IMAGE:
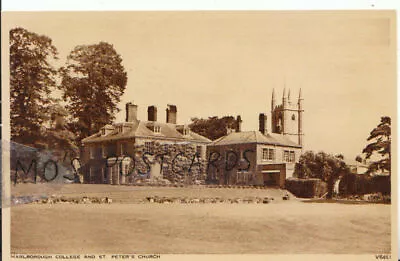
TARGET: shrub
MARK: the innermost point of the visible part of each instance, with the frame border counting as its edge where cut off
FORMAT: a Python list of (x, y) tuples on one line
[(306, 188)]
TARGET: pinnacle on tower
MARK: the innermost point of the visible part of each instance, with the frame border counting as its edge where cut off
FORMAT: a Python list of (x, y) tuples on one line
[(273, 100), (300, 119), (284, 99), (300, 96), (288, 96)]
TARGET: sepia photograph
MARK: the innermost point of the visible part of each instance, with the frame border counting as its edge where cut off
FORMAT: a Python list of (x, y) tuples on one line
[(140, 134)]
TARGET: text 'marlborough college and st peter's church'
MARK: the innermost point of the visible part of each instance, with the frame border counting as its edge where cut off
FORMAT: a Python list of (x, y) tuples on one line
[(259, 157)]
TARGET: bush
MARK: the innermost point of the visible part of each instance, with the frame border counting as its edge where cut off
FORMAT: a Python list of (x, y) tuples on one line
[(306, 188)]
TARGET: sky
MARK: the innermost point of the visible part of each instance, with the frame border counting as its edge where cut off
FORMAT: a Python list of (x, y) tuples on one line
[(227, 63)]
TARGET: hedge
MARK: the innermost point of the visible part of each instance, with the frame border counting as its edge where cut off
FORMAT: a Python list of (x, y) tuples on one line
[(306, 188), (353, 184)]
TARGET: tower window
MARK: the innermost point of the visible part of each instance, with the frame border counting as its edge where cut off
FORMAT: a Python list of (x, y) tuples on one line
[(293, 117)]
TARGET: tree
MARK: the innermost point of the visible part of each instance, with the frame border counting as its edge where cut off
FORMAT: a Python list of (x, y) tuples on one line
[(213, 127), (93, 81), (32, 78), (379, 147), (323, 166), (359, 159), (59, 138)]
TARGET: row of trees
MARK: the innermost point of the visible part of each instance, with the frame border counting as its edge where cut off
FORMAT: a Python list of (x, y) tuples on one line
[(330, 168), (91, 84)]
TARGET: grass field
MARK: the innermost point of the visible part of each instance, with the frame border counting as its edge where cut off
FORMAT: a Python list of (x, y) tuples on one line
[(281, 227), (134, 194)]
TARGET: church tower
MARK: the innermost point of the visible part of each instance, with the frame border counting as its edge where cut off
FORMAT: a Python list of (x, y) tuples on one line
[(287, 118), (300, 119)]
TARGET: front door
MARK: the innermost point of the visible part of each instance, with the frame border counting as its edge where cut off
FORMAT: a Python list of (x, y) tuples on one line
[(271, 179)]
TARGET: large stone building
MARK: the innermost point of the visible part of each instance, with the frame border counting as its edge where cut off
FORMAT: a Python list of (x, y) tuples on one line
[(260, 157), (107, 155)]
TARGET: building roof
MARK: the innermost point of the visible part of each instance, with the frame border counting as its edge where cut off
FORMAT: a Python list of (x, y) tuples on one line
[(255, 137), (143, 129)]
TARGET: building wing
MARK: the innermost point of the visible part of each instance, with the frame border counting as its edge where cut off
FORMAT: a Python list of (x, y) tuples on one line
[(246, 137), (145, 129)]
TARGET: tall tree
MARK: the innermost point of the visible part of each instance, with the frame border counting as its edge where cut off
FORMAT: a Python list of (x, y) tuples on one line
[(323, 166), (379, 148), (59, 138), (32, 78), (93, 81), (213, 127)]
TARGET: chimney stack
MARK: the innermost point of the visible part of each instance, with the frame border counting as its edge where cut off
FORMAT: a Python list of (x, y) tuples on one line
[(262, 119), (171, 113), (152, 113), (238, 123), (131, 112)]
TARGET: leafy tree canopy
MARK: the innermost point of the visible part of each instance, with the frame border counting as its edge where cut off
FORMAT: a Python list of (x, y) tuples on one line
[(93, 82), (213, 127), (321, 165), (380, 138), (32, 78), (59, 138)]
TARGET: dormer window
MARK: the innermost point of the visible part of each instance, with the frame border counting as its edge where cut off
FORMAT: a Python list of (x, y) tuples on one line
[(120, 129), (186, 131), (157, 129), (106, 130)]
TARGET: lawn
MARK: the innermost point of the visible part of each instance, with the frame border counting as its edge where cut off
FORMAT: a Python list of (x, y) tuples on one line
[(281, 227)]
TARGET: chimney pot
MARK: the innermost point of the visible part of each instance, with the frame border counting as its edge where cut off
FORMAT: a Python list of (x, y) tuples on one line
[(238, 123), (262, 119), (171, 113), (152, 113), (131, 112)]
